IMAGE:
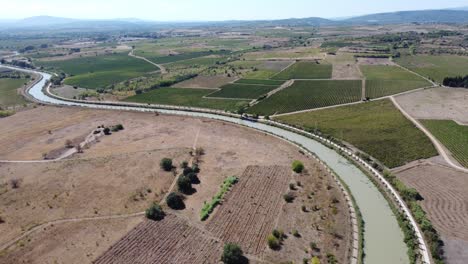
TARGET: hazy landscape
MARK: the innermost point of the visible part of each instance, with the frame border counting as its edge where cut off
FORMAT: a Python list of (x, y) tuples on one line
[(300, 140)]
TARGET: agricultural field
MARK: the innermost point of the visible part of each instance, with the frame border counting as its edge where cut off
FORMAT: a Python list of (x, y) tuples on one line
[(377, 128), (305, 70), (243, 91), (186, 97), (259, 81), (254, 69), (294, 53), (202, 81), (436, 67), (445, 196), (452, 135), (303, 95), (9, 95), (384, 80), (100, 71)]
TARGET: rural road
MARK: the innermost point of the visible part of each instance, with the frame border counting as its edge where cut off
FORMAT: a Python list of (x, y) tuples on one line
[(161, 68)]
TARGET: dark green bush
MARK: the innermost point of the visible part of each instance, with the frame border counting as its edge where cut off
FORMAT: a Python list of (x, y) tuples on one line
[(232, 254), (175, 201), (155, 212), (297, 166), (166, 164), (184, 184)]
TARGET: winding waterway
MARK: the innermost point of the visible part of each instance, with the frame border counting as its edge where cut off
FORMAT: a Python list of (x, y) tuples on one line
[(383, 238)]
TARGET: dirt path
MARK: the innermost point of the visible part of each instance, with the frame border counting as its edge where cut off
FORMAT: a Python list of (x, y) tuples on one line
[(440, 148), (161, 68), (62, 221)]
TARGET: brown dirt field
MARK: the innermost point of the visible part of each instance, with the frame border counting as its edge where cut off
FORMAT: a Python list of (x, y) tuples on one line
[(374, 61), (75, 242), (171, 240), (205, 82), (446, 202), (108, 175), (437, 103), (81, 188), (346, 71)]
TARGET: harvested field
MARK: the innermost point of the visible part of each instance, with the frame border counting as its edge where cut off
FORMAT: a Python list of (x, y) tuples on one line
[(258, 197), (9, 95), (437, 103), (71, 243), (445, 201), (306, 70), (171, 240), (345, 71), (205, 82)]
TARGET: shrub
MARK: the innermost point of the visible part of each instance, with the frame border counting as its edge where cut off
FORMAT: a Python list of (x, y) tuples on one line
[(184, 164), (195, 168), (155, 212), (117, 128), (297, 166), (296, 233), (289, 198), (331, 258), (315, 260), (278, 233), (68, 143), (273, 242), (184, 184), (187, 170), (193, 178), (106, 131), (15, 183), (175, 201), (292, 187), (232, 254), (166, 164)]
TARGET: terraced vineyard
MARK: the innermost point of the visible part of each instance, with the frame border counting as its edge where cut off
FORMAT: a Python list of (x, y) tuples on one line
[(248, 213), (304, 95), (305, 70), (382, 80), (453, 136), (186, 97), (243, 91), (171, 240)]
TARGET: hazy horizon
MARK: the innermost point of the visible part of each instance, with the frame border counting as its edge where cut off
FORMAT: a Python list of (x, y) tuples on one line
[(212, 10)]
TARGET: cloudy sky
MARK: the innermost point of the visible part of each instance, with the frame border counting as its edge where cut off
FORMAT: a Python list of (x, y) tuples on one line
[(189, 10)]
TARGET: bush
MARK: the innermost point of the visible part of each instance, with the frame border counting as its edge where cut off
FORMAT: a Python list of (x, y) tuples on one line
[(175, 201), (117, 128), (106, 131), (184, 184), (184, 164), (166, 164), (278, 233), (289, 198), (193, 178), (296, 233), (195, 168), (273, 242), (297, 166), (187, 170), (315, 260), (232, 254), (155, 212)]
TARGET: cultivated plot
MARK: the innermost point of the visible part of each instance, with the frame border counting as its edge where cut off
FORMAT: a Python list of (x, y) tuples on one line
[(382, 80), (306, 70), (377, 128), (243, 91), (304, 95), (452, 135), (186, 97), (9, 95)]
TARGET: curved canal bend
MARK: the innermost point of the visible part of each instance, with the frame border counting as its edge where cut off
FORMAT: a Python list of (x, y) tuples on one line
[(383, 238)]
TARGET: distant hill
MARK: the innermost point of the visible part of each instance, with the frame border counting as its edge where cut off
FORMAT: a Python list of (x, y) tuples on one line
[(424, 16), (44, 21)]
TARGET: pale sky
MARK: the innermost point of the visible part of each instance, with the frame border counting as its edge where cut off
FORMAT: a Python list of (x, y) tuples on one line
[(203, 10)]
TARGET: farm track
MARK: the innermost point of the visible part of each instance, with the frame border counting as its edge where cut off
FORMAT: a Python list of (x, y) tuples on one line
[(247, 214), (161, 68)]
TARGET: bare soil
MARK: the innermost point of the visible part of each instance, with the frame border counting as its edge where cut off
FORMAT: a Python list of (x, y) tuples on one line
[(445, 201), (437, 103), (374, 61), (346, 71)]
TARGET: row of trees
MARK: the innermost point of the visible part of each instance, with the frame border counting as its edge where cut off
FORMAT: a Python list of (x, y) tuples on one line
[(456, 81)]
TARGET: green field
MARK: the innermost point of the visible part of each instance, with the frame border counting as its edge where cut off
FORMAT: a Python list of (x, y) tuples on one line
[(100, 71), (8, 92), (182, 56), (186, 97), (258, 81), (376, 128), (382, 80), (452, 135), (306, 70), (436, 67), (243, 91), (304, 95)]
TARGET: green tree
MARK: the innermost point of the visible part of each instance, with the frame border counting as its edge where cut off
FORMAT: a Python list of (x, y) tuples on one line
[(175, 201), (166, 164), (155, 212), (232, 254), (184, 184)]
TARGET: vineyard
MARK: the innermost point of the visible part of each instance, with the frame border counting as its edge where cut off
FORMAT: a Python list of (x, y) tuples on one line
[(382, 80), (306, 70), (304, 95), (171, 240), (257, 81), (243, 91), (453, 136), (249, 211)]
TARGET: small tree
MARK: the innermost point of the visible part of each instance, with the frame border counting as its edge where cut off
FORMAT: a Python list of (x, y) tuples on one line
[(297, 166), (289, 198), (184, 184), (155, 212), (175, 201), (273, 242), (232, 254), (166, 164)]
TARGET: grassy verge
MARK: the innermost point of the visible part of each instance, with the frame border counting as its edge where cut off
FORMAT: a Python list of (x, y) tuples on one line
[(376, 128), (216, 200)]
